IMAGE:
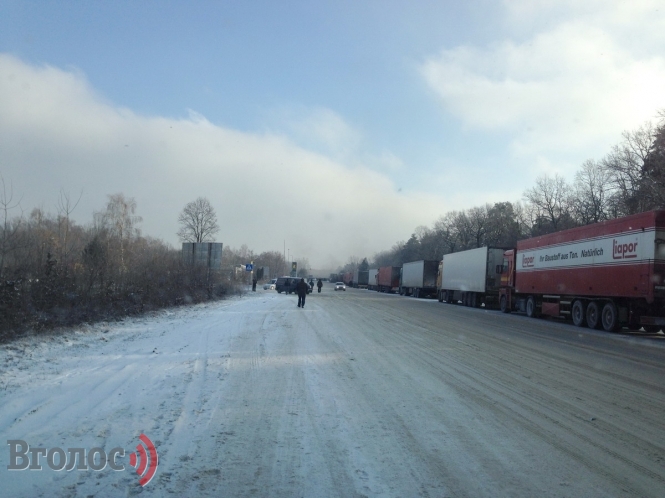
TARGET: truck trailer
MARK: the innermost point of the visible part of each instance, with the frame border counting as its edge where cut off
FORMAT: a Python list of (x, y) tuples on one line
[(419, 278), (372, 278), (473, 277), (609, 274), (360, 279), (388, 278)]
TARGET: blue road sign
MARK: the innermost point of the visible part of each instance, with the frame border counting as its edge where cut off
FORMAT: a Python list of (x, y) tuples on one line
[(249, 267)]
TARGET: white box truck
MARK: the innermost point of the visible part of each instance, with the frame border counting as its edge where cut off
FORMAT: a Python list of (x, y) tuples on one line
[(372, 280), (472, 277), (419, 278)]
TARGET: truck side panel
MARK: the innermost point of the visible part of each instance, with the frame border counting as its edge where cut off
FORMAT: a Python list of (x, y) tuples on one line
[(388, 277), (372, 281), (420, 274), (614, 265), (465, 271), (412, 274)]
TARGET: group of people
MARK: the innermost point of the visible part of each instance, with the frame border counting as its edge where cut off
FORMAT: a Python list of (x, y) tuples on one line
[(301, 289)]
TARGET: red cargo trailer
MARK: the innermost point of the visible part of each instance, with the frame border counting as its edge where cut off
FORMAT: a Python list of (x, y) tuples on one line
[(608, 274), (388, 278), (347, 278)]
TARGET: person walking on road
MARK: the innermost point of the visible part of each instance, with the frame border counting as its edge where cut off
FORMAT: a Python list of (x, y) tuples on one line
[(301, 288), (319, 284)]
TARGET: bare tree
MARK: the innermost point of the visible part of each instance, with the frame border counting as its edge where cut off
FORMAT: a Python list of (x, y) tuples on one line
[(525, 218), (446, 228), (463, 230), (625, 164), (551, 199), (120, 218), (592, 193), (272, 259), (653, 180), (65, 208), (10, 228), (119, 222), (198, 222), (478, 224)]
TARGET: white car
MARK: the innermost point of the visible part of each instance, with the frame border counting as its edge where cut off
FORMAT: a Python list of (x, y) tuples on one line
[(340, 286), (270, 285)]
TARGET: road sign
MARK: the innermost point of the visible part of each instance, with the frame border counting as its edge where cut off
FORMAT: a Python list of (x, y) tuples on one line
[(249, 267)]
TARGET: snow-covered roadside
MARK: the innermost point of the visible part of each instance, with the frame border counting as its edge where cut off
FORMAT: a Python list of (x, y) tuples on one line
[(103, 385)]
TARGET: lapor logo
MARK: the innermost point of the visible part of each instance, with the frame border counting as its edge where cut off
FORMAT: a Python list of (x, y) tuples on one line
[(624, 251), (527, 261), (147, 466)]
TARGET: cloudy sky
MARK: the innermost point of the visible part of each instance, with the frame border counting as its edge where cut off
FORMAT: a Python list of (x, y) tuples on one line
[(333, 128)]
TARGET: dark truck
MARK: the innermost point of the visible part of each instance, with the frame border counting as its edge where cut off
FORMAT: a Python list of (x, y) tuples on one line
[(361, 279)]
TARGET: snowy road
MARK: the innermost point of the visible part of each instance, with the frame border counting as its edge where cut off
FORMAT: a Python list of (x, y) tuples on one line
[(358, 394)]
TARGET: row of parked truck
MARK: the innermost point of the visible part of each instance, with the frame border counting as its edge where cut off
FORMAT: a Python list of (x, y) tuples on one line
[(606, 275)]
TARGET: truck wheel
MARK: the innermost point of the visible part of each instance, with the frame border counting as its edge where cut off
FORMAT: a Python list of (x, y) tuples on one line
[(610, 317), (473, 300), (578, 313), (503, 305), (593, 315), (531, 310), (416, 293), (440, 296), (652, 329)]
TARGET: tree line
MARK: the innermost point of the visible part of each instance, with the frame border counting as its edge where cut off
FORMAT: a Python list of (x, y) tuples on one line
[(630, 179), (54, 271)]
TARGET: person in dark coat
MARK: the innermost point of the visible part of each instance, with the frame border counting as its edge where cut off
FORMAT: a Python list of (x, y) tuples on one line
[(301, 288), (319, 284)]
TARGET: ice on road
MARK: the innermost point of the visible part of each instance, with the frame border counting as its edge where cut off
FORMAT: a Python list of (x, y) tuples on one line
[(350, 396)]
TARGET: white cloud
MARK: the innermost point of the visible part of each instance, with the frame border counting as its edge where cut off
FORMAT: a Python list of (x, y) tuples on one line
[(573, 85), (323, 130), (319, 128), (58, 133)]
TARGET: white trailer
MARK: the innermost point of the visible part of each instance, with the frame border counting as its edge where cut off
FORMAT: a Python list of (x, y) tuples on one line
[(372, 279), (473, 277), (419, 278)]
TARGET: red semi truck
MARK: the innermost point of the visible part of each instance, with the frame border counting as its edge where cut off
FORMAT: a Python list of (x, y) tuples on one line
[(388, 278), (609, 274)]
